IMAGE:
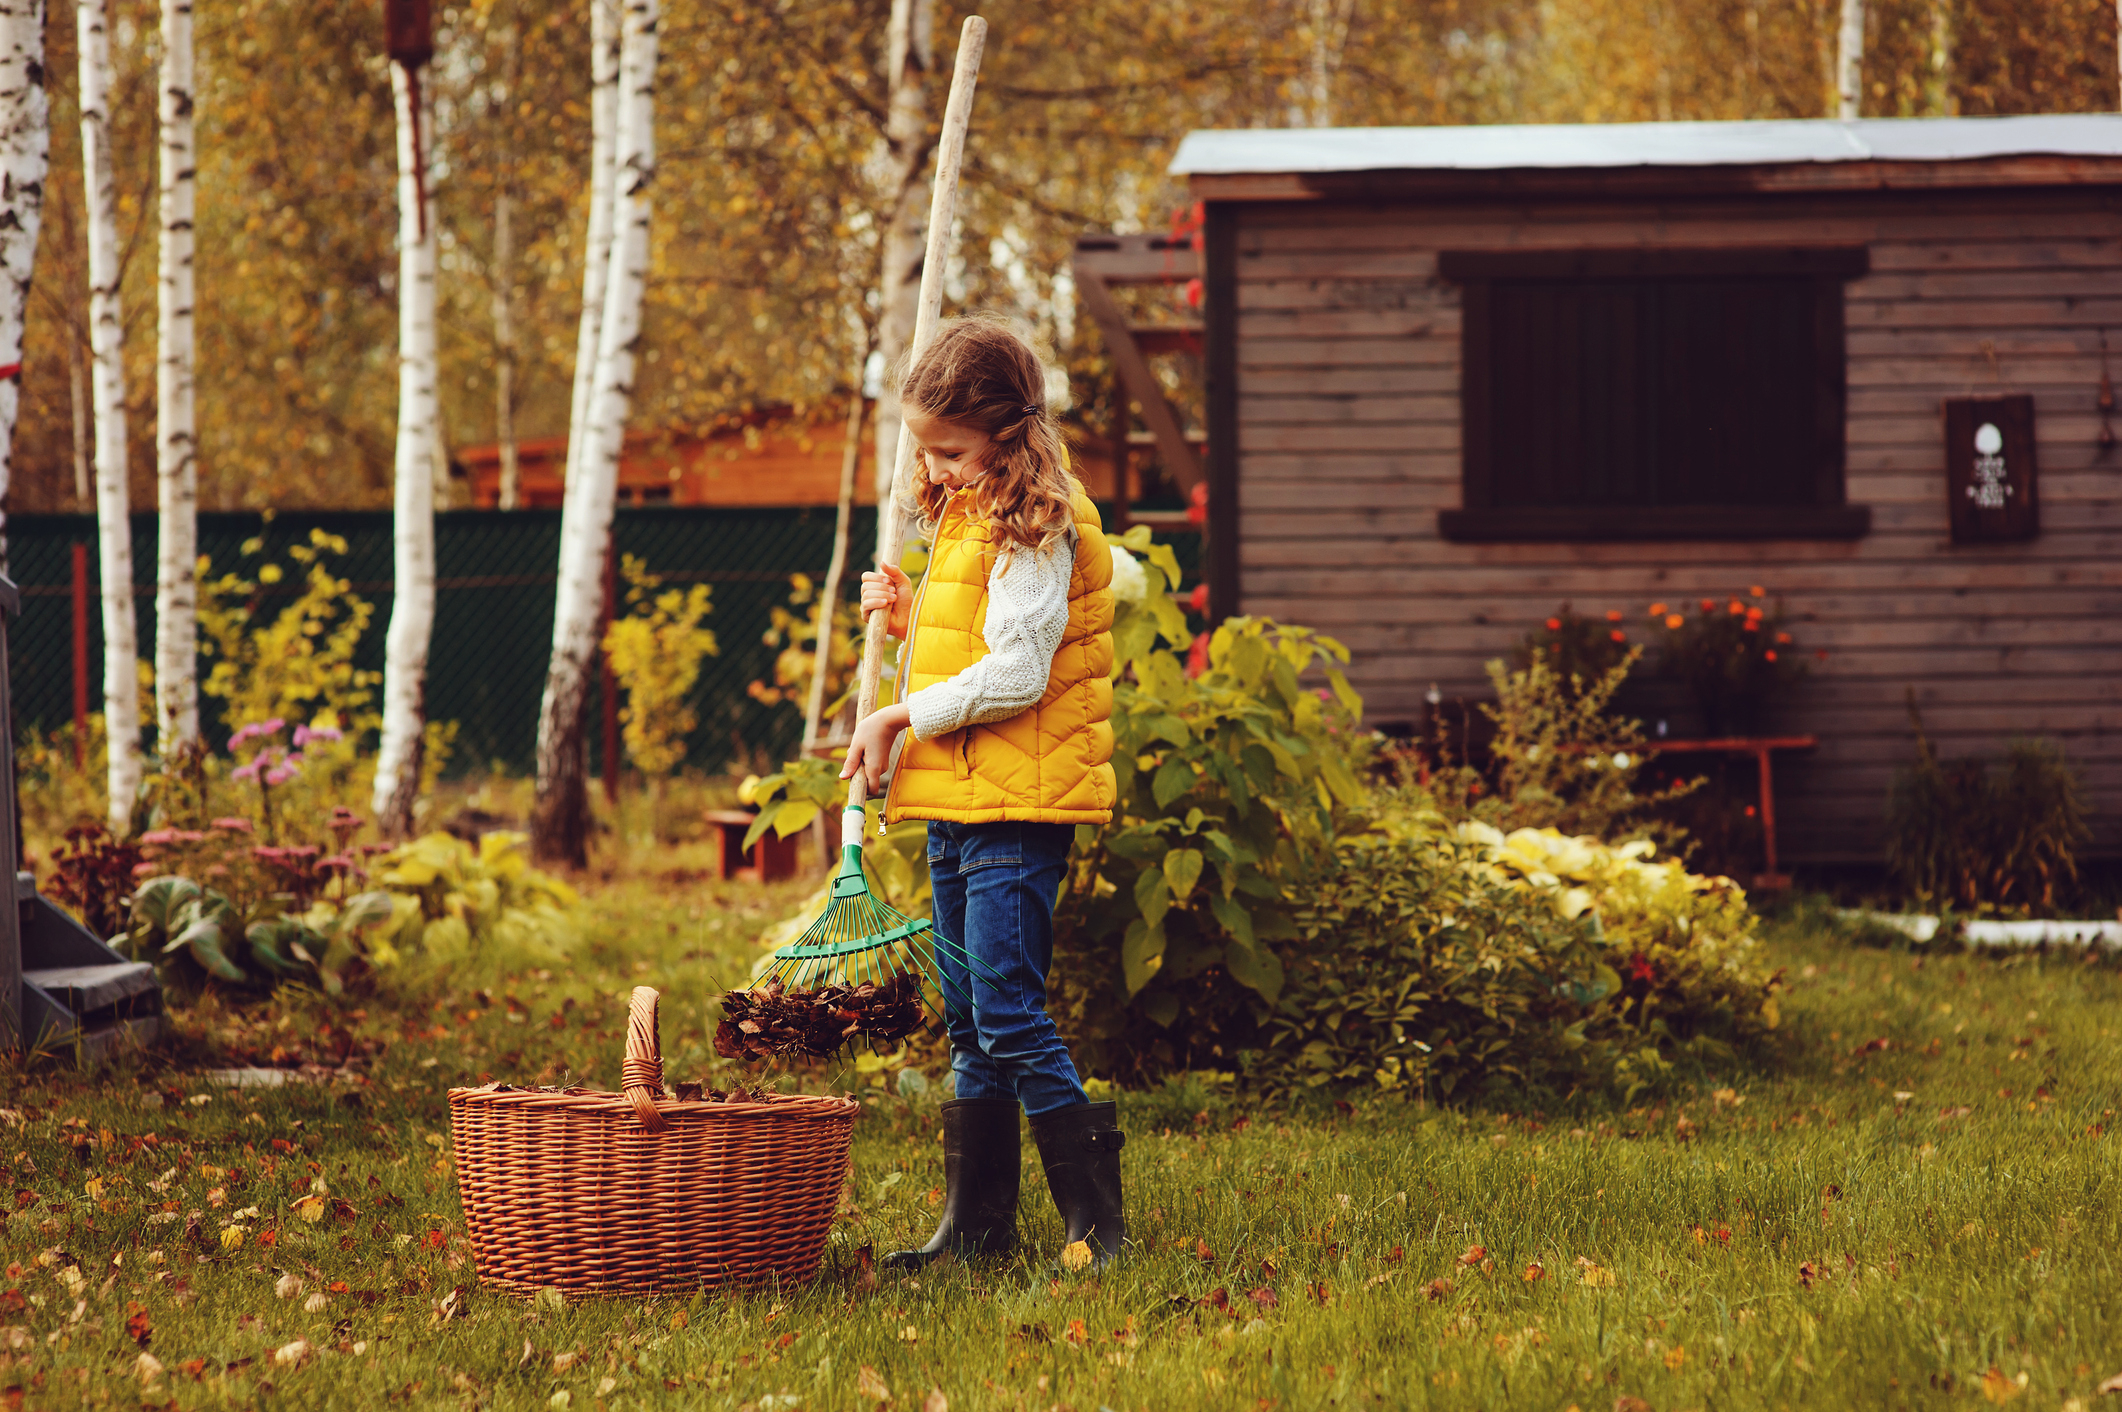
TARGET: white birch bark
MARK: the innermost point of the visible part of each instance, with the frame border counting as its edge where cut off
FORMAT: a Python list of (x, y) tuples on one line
[(25, 161), (560, 830), (176, 439), (1849, 62), (505, 354), (597, 250), (398, 757), (121, 660), (909, 54)]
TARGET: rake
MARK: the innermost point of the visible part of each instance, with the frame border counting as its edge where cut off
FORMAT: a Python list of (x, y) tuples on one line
[(864, 967)]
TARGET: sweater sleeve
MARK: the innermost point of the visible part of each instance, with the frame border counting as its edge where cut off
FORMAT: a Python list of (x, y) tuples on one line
[(1027, 614)]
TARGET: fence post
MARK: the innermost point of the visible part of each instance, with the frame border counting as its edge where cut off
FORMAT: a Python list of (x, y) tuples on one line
[(608, 685), (80, 656)]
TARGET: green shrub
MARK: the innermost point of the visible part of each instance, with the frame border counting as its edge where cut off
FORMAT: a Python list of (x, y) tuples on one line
[(1560, 759), (269, 914), (1962, 834), (1475, 961)]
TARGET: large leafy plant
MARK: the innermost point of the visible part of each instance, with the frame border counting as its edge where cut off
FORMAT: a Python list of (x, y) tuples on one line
[(1232, 784), (1442, 959)]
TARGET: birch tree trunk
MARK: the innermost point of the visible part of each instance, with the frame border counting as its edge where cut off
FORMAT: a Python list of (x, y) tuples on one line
[(909, 54), (25, 160), (597, 249), (121, 661), (836, 568), (412, 621), (176, 439), (560, 821), (1849, 62)]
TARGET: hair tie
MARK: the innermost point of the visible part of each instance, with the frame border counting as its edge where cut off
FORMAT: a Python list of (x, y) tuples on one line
[(1032, 409)]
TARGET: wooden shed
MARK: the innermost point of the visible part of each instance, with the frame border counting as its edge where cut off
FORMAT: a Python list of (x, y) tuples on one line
[(1458, 376)]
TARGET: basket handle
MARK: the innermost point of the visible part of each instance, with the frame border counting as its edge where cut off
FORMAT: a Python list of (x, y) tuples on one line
[(641, 1072)]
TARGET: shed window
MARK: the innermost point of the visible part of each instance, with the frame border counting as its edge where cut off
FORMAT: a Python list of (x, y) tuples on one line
[(1653, 394)]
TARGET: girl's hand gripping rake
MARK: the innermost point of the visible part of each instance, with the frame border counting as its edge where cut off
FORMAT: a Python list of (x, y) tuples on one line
[(864, 968)]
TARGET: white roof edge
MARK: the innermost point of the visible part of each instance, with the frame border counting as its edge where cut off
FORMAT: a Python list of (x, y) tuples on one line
[(1567, 145)]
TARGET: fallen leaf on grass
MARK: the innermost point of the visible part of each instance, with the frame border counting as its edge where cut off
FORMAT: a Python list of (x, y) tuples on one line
[(1474, 1255), (1076, 1255), (147, 1367), (551, 1300), (1217, 1298), (1535, 1272), (1996, 1387), (2113, 1384), (679, 1320), (1203, 1253), (564, 1361), (1437, 1288), (866, 1270), (288, 1286), (1632, 1404), (137, 1326), (310, 1209), (1675, 1358), (1076, 1334), (1264, 1298), (1595, 1275), (1807, 1274), (935, 1401), (1320, 1291), (288, 1355)]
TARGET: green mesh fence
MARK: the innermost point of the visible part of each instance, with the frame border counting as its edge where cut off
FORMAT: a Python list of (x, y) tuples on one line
[(495, 579)]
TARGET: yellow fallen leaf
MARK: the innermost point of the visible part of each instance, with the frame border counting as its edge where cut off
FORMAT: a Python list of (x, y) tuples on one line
[(870, 1385), (232, 1237), (1998, 1388), (289, 1354), (1675, 1358), (1597, 1276), (1076, 1256), (310, 1209)]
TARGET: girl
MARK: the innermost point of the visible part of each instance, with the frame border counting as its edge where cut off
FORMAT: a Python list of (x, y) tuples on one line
[(1005, 671)]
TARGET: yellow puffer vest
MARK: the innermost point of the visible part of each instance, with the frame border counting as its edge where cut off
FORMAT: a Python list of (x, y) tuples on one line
[(1048, 763)]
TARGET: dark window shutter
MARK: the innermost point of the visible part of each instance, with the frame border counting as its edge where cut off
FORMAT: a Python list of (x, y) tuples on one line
[(1641, 381)]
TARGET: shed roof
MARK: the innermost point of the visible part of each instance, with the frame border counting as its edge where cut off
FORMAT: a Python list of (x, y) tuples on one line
[(1608, 145)]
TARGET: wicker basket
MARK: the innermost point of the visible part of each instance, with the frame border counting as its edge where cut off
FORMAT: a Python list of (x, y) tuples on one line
[(604, 1193)]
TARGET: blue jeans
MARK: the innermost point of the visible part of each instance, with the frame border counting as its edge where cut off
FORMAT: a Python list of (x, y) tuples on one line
[(995, 886)]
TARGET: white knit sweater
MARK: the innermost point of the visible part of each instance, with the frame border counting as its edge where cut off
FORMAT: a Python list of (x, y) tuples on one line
[(1027, 614)]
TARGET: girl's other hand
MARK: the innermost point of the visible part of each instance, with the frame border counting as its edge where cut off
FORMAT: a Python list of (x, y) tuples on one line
[(870, 751), (892, 590)]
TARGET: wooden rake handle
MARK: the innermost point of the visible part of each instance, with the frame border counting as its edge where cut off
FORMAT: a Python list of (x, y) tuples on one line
[(641, 1072), (942, 214)]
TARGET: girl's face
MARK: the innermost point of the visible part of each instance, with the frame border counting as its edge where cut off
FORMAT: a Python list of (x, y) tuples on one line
[(954, 450)]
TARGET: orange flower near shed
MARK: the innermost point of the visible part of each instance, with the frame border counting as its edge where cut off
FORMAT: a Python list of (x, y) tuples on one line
[(1657, 610), (1554, 625), (1674, 621), (1613, 615)]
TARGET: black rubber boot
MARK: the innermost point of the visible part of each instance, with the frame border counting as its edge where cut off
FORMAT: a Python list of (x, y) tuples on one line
[(1080, 1148), (981, 1164)]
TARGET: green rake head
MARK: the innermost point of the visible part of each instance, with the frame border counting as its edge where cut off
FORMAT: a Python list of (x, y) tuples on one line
[(863, 969)]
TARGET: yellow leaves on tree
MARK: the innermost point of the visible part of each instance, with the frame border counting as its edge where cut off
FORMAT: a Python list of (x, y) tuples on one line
[(294, 661), (655, 652)]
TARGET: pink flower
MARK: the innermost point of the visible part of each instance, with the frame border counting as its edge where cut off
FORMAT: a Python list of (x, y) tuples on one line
[(250, 771), (280, 774), (236, 823), (305, 734), (145, 870), (159, 836)]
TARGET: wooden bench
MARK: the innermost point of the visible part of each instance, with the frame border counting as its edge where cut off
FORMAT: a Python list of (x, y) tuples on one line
[(771, 859)]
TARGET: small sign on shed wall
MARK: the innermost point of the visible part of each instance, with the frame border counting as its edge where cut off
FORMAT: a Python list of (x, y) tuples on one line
[(1990, 476)]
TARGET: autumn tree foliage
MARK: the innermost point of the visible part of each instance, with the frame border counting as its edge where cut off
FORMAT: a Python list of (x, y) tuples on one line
[(771, 211)]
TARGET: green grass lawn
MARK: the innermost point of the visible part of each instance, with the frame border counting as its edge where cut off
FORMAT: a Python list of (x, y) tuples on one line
[(1919, 1209)]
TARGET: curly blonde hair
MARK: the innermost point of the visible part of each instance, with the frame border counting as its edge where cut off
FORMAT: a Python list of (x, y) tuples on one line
[(980, 374)]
